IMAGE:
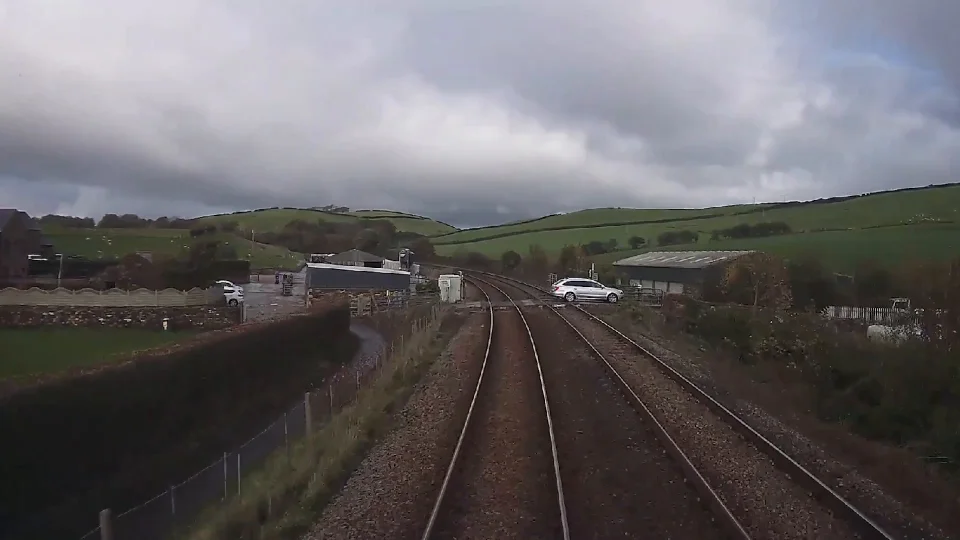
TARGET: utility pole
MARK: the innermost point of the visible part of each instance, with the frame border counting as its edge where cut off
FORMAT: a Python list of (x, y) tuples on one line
[(60, 272)]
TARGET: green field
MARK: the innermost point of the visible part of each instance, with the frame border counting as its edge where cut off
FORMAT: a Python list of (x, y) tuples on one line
[(115, 243), (274, 219), (40, 351), (857, 218), (840, 250), (585, 218)]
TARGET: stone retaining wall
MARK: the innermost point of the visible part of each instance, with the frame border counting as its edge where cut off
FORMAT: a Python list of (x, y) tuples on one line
[(180, 318)]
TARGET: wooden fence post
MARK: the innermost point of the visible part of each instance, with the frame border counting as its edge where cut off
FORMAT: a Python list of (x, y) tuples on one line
[(308, 414), (106, 524)]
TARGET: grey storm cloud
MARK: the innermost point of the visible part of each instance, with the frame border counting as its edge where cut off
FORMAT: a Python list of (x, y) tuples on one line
[(471, 112)]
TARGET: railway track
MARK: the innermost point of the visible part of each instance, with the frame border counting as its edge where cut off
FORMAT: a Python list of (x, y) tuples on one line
[(754, 489), (503, 479)]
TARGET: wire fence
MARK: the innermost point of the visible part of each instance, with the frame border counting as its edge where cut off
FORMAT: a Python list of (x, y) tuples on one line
[(161, 516)]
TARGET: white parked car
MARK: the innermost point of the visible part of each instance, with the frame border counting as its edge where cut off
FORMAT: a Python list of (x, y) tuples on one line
[(232, 292), (572, 289)]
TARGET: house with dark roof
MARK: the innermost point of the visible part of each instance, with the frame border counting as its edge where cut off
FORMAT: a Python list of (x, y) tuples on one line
[(355, 257), (19, 237), (681, 272)]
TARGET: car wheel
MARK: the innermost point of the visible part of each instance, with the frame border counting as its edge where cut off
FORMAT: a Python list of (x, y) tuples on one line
[(569, 297), (612, 298), (233, 302)]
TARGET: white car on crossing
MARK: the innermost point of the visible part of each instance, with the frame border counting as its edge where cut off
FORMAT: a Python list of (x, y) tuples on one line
[(231, 292), (573, 289)]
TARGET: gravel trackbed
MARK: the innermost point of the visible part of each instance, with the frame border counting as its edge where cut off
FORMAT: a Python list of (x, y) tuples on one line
[(391, 492)]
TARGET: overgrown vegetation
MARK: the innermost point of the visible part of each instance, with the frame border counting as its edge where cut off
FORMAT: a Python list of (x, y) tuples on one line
[(908, 394), (167, 415), (284, 498)]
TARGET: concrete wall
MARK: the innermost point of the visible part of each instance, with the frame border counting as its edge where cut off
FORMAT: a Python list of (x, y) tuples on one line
[(112, 297), (180, 318)]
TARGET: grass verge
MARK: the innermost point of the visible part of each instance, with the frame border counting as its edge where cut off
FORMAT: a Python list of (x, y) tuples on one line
[(286, 496), (37, 351)]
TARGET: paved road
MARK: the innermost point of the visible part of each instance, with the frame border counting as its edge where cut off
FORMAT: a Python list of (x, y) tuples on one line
[(265, 302)]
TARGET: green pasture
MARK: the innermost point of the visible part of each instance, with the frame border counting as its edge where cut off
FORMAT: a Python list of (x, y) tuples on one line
[(885, 209), (115, 243), (840, 250), (275, 219), (585, 218), (40, 351)]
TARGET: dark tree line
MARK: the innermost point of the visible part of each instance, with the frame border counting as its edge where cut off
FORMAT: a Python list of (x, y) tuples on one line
[(747, 230), (672, 238), (376, 236), (115, 221)]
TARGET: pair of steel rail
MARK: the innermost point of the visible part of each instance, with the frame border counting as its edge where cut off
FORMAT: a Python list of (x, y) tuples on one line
[(867, 528)]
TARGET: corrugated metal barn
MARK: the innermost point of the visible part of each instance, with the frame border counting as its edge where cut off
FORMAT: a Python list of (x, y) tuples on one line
[(676, 271), (345, 277)]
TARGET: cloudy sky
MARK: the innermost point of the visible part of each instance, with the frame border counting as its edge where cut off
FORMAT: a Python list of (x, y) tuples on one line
[(470, 111)]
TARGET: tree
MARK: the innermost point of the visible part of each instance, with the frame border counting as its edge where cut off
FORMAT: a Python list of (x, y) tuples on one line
[(423, 250), (595, 247), (477, 260), (536, 262), (67, 222), (670, 238), (510, 260), (759, 280), (637, 242), (935, 295), (367, 240), (229, 226), (811, 285), (567, 260), (873, 284)]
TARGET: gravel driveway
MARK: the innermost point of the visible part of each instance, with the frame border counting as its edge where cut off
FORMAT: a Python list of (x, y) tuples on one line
[(265, 302)]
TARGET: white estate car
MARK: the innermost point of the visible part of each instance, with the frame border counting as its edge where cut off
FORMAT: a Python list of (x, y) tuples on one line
[(571, 289), (232, 292)]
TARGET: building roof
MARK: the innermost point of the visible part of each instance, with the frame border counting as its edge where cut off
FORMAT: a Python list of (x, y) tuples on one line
[(680, 259), (340, 267), (6, 214), (354, 256)]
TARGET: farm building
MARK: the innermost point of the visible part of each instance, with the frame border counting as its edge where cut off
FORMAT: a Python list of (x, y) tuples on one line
[(19, 237), (355, 257), (351, 278), (683, 272)]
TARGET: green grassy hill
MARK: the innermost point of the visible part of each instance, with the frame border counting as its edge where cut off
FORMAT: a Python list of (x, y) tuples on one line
[(892, 226), (594, 217), (887, 226), (115, 243), (841, 250), (273, 219)]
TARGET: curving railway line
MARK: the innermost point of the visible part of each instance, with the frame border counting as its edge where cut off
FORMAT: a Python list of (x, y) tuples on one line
[(750, 487), (503, 479)]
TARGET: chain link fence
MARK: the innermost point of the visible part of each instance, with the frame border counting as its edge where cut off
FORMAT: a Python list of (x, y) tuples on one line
[(160, 517)]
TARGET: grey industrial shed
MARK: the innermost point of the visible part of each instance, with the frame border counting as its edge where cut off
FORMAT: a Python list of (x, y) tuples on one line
[(348, 277), (676, 271)]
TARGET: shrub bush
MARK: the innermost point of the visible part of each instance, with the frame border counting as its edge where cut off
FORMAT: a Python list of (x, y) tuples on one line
[(907, 395)]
